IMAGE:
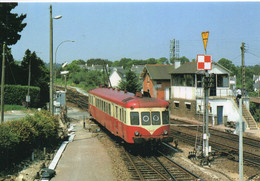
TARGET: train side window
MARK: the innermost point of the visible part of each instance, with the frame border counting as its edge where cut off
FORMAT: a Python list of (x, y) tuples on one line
[(156, 118), (134, 118), (109, 109), (116, 112), (146, 118), (120, 115), (165, 117)]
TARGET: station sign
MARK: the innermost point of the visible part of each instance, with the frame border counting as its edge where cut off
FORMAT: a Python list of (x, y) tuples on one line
[(204, 62)]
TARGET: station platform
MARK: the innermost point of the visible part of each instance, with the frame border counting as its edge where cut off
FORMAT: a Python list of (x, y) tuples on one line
[(84, 158)]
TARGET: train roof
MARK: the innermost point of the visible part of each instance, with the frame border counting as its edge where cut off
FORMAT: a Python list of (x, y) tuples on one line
[(127, 99)]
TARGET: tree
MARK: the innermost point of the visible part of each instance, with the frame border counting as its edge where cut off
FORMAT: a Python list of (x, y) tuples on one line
[(228, 65), (39, 74), (98, 61), (131, 84), (183, 60), (10, 27), (162, 60), (10, 24)]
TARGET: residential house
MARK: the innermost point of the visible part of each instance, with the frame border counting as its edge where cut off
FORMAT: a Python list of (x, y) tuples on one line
[(256, 79), (188, 93), (117, 76), (156, 80)]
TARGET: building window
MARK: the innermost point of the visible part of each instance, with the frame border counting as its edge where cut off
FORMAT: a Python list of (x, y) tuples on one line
[(176, 104), (222, 80), (188, 105)]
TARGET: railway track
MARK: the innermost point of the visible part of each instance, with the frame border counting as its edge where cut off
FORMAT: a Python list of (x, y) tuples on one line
[(249, 157), (73, 96), (157, 168), (247, 141)]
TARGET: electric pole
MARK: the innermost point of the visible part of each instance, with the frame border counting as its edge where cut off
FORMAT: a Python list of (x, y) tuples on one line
[(243, 66), (2, 85)]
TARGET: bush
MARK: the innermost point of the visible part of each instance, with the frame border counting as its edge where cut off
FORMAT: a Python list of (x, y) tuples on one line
[(18, 138)]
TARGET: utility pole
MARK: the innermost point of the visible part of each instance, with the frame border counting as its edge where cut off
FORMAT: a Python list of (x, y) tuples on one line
[(29, 83), (2, 85), (173, 51), (51, 62), (240, 114), (243, 66)]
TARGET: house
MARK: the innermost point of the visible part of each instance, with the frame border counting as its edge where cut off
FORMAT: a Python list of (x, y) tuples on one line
[(100, 68), (156, 80), (187, 94), (137, 69), (117, 75), (256, 79)]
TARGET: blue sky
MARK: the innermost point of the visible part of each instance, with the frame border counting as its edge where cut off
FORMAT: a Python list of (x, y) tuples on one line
[(141, 30)]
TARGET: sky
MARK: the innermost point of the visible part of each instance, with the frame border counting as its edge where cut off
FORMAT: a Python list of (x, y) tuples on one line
[(140, 30)]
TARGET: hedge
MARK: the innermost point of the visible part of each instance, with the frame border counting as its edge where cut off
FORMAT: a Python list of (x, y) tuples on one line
[(16, 95), (19, 138)]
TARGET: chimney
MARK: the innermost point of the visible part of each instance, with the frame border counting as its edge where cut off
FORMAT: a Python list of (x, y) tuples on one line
[(177, 64)]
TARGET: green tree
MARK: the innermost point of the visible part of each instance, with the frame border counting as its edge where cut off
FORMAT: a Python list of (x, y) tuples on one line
[(228, 65), (10, 24), (98, 61), (131, 84), (10, 27), (162, 60), (39, 74), (183, 60)]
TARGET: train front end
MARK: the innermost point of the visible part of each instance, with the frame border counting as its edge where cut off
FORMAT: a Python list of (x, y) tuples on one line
[(148, 122)]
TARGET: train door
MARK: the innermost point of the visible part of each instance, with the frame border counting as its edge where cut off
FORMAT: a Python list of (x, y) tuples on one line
[(220, 114), (116, 118)]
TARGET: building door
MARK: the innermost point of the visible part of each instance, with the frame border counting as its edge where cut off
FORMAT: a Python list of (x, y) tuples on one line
[(220, 114), (167, 94)]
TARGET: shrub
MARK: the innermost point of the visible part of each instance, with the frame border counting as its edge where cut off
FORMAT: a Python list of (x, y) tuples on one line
[(19, 137)]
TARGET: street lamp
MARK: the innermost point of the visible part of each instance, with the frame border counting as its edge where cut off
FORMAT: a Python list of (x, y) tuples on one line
[(55, 60), (51, 58)]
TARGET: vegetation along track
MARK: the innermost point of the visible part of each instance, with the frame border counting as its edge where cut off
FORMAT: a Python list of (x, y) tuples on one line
[(156, 168), (218, 145)]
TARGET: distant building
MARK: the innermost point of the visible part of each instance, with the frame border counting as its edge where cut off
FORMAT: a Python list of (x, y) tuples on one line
[(100, 68), (117, 76), (137, 69), (156, 80), (256, 79)]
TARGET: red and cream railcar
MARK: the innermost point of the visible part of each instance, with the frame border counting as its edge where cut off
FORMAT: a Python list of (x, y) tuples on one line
[(135, 119)]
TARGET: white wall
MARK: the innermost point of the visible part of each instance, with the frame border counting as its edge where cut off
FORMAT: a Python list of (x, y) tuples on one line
[(115, 79), (183, 92)]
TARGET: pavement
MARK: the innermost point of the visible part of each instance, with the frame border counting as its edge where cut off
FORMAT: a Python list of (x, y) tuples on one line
[(85, 158)]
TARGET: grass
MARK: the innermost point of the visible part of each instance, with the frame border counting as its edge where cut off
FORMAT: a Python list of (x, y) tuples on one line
[(14, 108)]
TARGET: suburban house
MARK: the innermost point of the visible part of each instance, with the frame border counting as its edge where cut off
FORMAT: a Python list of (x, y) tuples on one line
[(256, 79), (156, 80), (137, 69), (187, 96), (116, 76)]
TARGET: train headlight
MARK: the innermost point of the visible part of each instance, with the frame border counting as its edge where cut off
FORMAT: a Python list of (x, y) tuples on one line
[(165, 132), (136, 133)]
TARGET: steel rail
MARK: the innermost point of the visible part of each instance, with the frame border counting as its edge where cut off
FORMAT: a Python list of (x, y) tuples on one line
[(134, 165), (180, 167)]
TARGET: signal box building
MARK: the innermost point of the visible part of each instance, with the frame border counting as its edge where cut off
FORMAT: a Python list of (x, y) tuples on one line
[(187, 96), (156, 80)]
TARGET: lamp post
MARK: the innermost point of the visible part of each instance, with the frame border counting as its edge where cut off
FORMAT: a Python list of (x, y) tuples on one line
[(55, 60), (51, 58)]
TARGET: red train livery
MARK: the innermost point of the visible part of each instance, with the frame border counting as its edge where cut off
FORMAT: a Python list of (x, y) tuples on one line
[(134, 118)]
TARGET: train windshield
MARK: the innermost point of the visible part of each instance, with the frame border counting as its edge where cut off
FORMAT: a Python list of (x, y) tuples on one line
[(165, 117), (134, 116)]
